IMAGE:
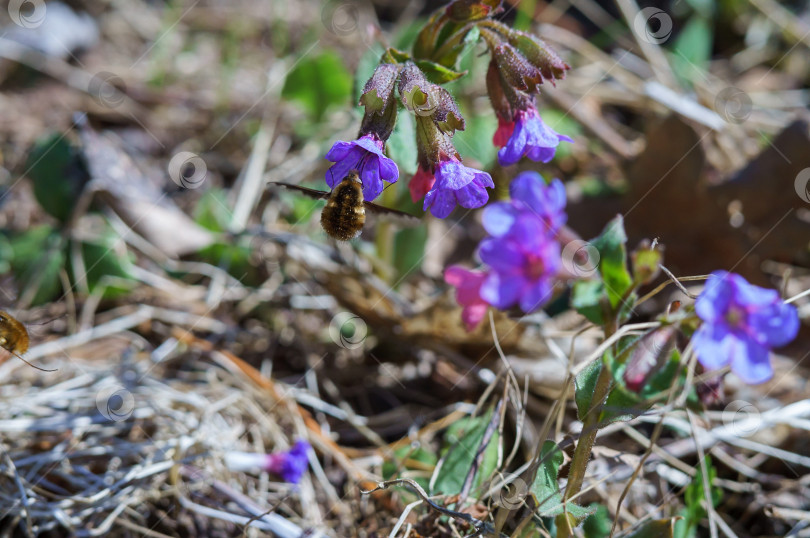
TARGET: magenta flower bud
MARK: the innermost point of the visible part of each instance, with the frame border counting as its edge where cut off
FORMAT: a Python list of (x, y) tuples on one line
[(741, 323), (648, 356), (468, 287)]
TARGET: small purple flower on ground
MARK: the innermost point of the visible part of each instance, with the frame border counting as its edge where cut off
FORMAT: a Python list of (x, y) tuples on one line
[(456, 184), (468, 285), (366, 156), (522, 252), (527, 136), (741, 323), (291, 464)]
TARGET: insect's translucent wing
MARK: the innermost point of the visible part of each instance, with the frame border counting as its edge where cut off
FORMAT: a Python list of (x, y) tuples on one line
[(400, 217), (312, 193)]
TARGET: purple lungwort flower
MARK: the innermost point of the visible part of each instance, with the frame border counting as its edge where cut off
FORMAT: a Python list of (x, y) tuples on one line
[(456, 184), (529, 194), (530, 136), (741, 322), (292, 464), (366, 156), (523, 254), (289, 464)]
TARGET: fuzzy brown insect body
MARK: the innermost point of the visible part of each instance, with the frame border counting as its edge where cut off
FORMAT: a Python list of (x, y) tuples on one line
[(13, 335), (344, 215)]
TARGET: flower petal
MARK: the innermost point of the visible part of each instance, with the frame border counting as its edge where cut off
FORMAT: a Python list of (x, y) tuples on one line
[(502, 256), (713, 345), (499, 217), (716, 297), (502, 291), (535, 295), (442, 202), (775, 325), (751, 362)]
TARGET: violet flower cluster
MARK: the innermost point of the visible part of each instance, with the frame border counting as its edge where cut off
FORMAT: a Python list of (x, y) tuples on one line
[(522, 252)]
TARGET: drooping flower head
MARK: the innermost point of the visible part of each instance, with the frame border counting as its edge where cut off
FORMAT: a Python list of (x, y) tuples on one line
[(523, 253), (468, 287), (366, 156), (526, 134), (741, 323), (456, 184)]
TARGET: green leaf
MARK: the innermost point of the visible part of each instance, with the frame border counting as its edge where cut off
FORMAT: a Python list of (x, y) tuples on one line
[(464, 439), (584, 385), (427, 459), (598, 524), (586, 298), (318, 83), (58, 175), (613, 260), (402, 144), (409, 250), (38, 258), (692, 50), (546, 489), (211, 211), (103, 261), (438, 74), (475, 142)]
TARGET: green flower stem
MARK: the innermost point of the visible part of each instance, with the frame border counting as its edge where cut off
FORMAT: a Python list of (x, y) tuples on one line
[(590, 427)]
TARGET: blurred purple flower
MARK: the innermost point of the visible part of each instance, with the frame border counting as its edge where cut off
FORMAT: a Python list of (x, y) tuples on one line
[(522, 252), (527, 136), (468, 285), (741, 323), (529, 194), (366, 156), (456, 184), (292, 464)]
